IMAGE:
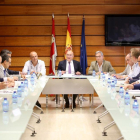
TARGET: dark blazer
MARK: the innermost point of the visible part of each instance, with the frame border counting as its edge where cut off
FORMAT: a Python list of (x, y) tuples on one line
[(134, 79), (11, 72), (137, 86), (1, 79), (62, 66)]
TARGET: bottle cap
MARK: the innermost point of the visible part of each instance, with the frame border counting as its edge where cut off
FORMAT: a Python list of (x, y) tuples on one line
[(5, 98), (135, 100), (108, 78), (14, 91), (126, 92)]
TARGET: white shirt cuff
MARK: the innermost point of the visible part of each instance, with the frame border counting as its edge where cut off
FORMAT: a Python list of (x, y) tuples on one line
[(5, 79)]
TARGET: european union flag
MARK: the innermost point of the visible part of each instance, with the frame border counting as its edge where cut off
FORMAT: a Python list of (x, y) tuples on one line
[(83, 54)]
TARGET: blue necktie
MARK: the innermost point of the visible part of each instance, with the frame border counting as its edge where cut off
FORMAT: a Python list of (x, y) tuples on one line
[(4, 73)]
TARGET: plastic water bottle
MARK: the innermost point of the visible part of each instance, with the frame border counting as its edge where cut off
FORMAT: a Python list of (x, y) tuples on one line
[(14, 97), (59, 73), (113, 90), (121, 92), (26, 87), (115, 80), (34, 75), (93, 73), (22, 86), (32, 80), (136, 106), (103, 79), (109, 85), (19, 95), (5, 105), (28, 72), (127, 99)]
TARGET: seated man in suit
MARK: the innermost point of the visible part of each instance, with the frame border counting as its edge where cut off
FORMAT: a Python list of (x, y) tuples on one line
[(70, 66), (128, 70), (34, 65), (6, 61), (10, 72), (5, 79), (100, 65), (134, 80)]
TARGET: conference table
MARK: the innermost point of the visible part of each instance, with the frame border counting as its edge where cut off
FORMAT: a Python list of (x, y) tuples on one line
[(129, 126), (11, 126)]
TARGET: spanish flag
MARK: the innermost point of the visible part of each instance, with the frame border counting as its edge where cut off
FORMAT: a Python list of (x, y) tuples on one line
[(68, 38)]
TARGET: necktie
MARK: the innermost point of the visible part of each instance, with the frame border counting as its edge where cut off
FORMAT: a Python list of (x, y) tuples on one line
[(69, 68), (4, 73)]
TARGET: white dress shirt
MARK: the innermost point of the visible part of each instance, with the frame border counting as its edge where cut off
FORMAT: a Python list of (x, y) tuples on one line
[(136, 70), (100, 67), (40, 67), (72, 67), (4, 78)]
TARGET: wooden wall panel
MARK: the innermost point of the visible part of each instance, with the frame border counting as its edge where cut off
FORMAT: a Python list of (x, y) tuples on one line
[(53, 2), (65, 9), (46, 40), (47, 30), (44, 51), (47, 20), (122, 2)]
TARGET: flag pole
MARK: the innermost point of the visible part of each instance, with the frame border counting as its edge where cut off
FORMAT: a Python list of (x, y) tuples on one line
[(53, 15)]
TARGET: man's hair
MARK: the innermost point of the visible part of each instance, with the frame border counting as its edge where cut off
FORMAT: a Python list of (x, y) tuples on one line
[(5, 57), (5, 52), (135, 52), (100, 53)]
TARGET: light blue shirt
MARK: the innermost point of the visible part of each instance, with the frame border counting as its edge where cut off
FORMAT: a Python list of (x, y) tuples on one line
[(136, 70)]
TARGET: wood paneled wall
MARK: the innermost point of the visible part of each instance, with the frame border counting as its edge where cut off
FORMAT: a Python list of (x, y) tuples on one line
[(25, 26)]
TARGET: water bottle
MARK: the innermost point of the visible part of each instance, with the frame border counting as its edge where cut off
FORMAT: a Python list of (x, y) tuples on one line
[(101, 76), (34, 75), (115, 80), (113, 90), (121, 92), (32, 79), (26, 87), (127, 99), (109, 85), (28, 72), (5, 105), (59, 73), (136, 106), (19, 95), (14, 97), (103, 79), (127, 104), (93, 73), (22, 86)]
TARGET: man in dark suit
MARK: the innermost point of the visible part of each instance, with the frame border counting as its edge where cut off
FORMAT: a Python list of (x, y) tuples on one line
[(9, 53), (70, 66)]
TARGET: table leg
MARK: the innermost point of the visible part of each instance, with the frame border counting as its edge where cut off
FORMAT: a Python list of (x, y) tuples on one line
[(72, 104), (63, 104), (46, 100)]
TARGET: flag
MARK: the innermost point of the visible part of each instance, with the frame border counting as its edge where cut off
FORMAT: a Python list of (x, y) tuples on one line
[(83, 54), (53, 52), (68, 38)]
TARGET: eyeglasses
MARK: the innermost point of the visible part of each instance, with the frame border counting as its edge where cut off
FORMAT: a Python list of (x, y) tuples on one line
[(97, 56)]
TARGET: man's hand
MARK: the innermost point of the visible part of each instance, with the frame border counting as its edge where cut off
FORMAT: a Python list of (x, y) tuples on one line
[(23, 76), (32, 72), (130, 86), (11, 84), (3, 85), (63, 72), (137, 82), (9, 79), (78, 73), (97, 73), (15, 78)]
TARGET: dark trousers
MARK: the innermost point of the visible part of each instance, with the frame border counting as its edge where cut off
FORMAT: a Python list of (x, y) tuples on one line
[(67, 99)]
